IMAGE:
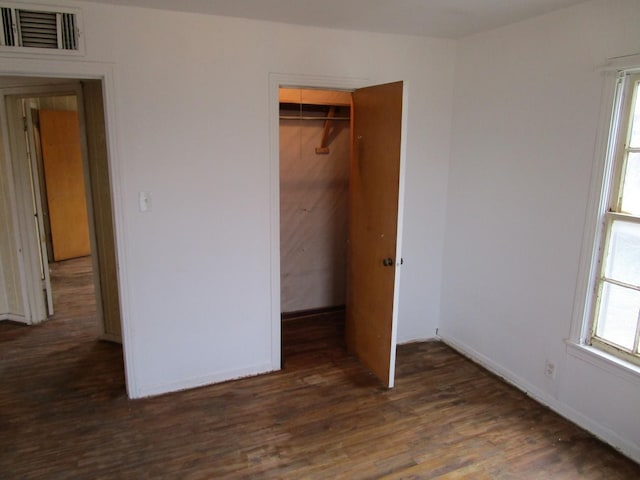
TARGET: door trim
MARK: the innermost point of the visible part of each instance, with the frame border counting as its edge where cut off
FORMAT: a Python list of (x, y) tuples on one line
[(277, 80), (400, 229), (24, 66)]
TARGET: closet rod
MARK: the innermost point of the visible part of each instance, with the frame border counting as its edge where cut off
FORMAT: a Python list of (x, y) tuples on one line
[(291, 117)]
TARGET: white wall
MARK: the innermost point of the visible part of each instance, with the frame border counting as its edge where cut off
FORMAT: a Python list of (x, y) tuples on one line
[(191, 103), (526, 114)]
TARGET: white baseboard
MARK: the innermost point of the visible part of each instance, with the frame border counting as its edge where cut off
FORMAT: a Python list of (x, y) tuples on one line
[(13, 318), (605, 434), (201, 381)]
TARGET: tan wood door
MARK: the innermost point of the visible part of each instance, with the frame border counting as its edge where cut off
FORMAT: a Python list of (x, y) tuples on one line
[(64, 180), (373, 227)]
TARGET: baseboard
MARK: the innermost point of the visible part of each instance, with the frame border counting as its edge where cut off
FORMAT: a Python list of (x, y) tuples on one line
[(311, 312), (605, 434), (202, 381), (108, 337), (419, 340), (13, 318)]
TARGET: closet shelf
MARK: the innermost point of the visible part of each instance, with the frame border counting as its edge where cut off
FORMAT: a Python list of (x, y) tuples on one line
[(308, 96)]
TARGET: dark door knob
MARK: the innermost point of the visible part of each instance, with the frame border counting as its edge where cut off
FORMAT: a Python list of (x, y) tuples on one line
[(387, 262)]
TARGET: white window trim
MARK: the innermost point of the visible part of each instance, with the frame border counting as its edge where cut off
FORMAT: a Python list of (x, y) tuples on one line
[(605, 361), (599, 189)]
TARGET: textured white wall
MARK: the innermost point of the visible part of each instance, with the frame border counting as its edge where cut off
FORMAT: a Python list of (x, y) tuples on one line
[(526, 115), (313, 214), (191, 105)]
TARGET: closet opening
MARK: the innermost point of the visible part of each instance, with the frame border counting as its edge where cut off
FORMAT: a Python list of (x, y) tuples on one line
[(340, 178), (314, 156)]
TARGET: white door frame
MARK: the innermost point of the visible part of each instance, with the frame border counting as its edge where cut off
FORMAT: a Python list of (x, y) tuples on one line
[(37, 181), (277, 80), (59, 68)]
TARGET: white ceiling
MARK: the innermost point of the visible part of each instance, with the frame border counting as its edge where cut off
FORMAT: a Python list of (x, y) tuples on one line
[(432, 18)]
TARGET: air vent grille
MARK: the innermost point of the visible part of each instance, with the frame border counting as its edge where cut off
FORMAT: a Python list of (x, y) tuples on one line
[(7, 36), (69, 31), (38, 29), (41, 29)]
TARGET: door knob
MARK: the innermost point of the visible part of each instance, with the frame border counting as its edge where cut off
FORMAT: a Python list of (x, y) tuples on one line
[(387, 262)]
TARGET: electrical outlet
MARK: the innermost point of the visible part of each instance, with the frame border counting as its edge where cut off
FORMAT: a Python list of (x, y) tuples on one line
[(550, 369)]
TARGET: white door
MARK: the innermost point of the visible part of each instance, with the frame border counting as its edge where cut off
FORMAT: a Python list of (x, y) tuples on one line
[(34, 259), (37, 203)]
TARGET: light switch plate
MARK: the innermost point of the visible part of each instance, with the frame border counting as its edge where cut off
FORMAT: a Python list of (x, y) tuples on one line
[(144, 201)]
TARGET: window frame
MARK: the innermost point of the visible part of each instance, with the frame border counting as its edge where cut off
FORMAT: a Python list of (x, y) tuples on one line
[(626, 93)]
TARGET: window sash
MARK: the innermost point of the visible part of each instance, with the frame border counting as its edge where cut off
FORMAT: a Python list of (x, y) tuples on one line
[(620, 133)]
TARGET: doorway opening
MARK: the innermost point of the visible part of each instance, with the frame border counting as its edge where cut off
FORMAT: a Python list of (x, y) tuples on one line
[(59, 266), (314, 159), (374, 218), (53, 146)]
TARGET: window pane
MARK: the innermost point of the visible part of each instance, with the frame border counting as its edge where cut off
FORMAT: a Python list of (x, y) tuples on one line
[(618, 315), (631, 185), (623, 254), (635, 123)]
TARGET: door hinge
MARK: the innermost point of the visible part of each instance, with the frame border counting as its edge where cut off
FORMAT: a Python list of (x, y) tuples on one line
[(24, 124)]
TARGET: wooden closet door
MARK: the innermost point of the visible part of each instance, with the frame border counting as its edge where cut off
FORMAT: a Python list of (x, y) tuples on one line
[(374, 210)]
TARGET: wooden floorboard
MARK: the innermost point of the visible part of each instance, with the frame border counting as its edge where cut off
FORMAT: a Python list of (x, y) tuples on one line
[(64, 413)]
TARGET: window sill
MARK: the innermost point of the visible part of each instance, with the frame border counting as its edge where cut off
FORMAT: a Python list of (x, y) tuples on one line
[(605, 361)]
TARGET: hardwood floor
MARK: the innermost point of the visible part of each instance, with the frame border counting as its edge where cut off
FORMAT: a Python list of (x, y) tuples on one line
[(64, 414)]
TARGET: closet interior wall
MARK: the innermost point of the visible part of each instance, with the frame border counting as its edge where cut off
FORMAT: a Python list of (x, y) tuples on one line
[(313, 199)]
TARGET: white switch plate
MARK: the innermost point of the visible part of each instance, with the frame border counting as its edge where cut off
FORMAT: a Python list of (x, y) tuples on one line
[(144, 201)]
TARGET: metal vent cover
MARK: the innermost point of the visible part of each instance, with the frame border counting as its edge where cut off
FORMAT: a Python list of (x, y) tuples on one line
[(41, 29)]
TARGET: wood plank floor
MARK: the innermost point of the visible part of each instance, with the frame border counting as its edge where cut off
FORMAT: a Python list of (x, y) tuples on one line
[(64, 414)]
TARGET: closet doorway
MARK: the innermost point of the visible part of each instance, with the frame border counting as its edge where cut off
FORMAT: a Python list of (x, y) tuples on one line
[(314, 139), (314, 187), (341, 182)]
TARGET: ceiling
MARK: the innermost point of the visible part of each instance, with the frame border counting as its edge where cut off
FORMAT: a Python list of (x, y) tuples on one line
[(431, 18)]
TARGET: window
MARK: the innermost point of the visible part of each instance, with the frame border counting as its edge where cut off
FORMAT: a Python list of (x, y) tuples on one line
[(615, 325)]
